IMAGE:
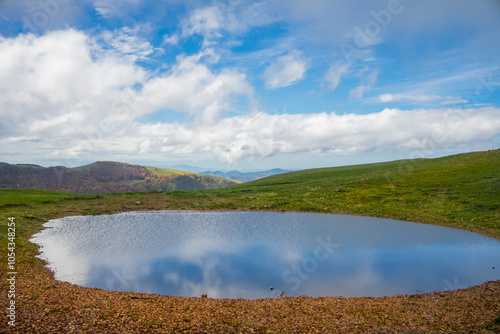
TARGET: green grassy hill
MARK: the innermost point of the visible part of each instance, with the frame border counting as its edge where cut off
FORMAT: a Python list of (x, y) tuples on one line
[(167, 171), (460, 191), (20, 197), (84, 167)]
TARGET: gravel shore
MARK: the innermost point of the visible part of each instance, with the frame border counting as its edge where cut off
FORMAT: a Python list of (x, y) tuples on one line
[(45, 305)]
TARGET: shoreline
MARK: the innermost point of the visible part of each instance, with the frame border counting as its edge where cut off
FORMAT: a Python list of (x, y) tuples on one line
[(39, 255), (47, 305)]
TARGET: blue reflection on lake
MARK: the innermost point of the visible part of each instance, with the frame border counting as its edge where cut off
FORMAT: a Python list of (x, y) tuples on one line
[(243, 254)]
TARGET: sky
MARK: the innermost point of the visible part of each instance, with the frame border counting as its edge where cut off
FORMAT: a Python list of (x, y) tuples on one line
[(241, 85)]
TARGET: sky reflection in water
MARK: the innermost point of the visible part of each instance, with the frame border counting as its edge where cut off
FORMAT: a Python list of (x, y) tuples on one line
[(243, 254)]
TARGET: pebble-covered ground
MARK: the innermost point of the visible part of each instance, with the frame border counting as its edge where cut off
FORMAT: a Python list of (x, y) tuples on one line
[(48, 306), (44, 305)]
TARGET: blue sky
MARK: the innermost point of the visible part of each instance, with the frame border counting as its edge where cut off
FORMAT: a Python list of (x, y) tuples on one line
[(247, 84)]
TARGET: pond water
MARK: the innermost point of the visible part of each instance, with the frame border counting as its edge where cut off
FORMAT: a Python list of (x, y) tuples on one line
[(264, 254)]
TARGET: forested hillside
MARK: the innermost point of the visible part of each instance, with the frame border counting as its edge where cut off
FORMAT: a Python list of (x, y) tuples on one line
[(104, 177)]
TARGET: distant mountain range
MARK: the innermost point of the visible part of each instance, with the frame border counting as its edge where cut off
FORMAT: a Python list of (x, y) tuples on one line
[(248, 176), (105, 177), (242, 176)]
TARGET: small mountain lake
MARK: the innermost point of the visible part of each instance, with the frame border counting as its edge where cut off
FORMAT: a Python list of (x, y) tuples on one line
[(264, 254)]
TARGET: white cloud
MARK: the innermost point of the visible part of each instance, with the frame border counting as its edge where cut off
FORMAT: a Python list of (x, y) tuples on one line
[(285, 71), (454, 100), (65, 96), (127, 43), (216, 21), (421, 98), (335, 73), (171, 39), (192, 87), (60, 89), (108, 8), (243, 15), (204, 21), (408, 97), (66, 72), (264, 135), (358, 92), (55, 75)]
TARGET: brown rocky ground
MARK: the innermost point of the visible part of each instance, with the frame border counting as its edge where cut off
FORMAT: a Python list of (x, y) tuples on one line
[(48, 306), (45, 305)]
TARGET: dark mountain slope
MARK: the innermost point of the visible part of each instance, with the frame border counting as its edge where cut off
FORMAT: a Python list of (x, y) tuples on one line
[(103, 177)]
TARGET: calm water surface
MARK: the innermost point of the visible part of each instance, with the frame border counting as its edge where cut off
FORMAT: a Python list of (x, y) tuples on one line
[(244, 254)]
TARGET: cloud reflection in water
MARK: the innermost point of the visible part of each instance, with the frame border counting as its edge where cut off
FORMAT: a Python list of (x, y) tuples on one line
[(243, 254)]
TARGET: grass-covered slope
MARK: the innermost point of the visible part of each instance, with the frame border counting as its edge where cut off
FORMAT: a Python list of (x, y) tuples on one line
[(85, 167), (461, 191), (167, 171), (210, 181), (30, 197)]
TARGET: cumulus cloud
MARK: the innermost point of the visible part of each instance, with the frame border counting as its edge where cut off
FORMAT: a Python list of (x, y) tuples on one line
[(66, 72), (57, 78), (286, 70), (61, 88), (66, 96), (192, 87), (263, 135)]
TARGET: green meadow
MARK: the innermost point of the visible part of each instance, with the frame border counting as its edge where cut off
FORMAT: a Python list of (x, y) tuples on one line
[(460, 191)]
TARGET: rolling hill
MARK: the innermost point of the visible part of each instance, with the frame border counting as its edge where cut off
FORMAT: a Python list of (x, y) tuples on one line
[(460, 191), (105, 177), (247, 176)]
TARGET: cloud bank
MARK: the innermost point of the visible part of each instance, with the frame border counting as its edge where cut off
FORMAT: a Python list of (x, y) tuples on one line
[(184, 80), (262, 135), (70, 97)]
